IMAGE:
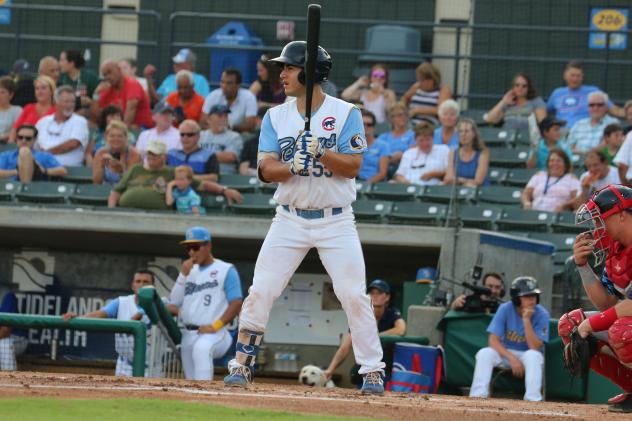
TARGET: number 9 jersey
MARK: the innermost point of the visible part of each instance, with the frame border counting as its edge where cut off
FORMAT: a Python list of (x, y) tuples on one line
[(338, 126)]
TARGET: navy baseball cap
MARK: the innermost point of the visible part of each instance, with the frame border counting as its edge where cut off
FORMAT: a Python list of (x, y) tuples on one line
[(219, 109), (379, 284), (197, 235)]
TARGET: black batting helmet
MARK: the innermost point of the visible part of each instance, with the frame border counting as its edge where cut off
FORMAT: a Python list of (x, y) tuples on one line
[(294, 54), (523, 285)]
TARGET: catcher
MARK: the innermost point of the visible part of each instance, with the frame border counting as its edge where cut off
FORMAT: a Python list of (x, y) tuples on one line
[(603, 340)]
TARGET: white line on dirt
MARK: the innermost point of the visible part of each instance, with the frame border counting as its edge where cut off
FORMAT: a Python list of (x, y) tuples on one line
[(376, 400)]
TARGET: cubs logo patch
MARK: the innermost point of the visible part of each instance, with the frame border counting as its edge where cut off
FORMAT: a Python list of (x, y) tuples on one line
[(329, 123), (213, 273), (357, 143)]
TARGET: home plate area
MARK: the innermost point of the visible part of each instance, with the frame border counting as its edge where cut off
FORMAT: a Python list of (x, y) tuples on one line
[(294, 398)]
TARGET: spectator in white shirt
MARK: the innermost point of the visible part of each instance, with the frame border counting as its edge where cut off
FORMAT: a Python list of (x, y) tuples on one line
[(242, 102), (64, 134), (425, 163), (588, 132), (623, 160), (164, 132)]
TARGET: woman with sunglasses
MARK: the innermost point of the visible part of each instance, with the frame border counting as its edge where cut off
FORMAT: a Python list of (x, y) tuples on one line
[(375, 160), (372, 91), (268, 88), (44, 104), (111, 161), (517, 105)]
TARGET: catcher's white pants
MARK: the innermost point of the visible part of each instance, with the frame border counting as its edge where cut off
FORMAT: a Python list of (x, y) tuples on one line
[(336, 239), (487, 358), (199, 350)]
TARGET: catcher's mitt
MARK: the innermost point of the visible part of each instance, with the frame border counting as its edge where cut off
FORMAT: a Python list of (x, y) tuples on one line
[(578, 352)]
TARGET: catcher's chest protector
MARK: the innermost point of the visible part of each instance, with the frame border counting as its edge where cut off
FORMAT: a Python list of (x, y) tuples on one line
[(619, 268)]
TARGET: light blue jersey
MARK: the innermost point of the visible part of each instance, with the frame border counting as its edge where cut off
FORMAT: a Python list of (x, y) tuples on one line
[(507, 324), (338, 126)]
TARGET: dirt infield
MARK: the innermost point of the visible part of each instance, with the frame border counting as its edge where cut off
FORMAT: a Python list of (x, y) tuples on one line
[(300, 399)]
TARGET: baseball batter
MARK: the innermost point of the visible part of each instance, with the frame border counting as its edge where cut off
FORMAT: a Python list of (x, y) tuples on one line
[(315, 171), (208, 296), (609, 213)]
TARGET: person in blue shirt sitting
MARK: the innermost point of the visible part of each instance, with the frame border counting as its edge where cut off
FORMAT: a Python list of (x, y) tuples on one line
[(517, 334), (375, 161), (26, 164), (179, 190), (570, 103)]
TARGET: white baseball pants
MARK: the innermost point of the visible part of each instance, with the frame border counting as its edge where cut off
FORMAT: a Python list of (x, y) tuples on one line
[(488, 358), (199, 350), (336, 239)]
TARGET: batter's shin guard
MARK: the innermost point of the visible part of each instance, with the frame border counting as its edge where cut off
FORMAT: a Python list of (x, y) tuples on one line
[(248, 343)]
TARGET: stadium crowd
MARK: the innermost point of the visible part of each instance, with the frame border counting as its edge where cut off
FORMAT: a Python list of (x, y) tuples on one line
[(66, 116)]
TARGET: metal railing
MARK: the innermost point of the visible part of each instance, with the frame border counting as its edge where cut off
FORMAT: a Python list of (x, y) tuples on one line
[(135, 328)]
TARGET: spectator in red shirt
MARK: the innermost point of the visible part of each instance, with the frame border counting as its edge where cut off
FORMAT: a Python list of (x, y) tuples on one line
[(44, 105), (127, 93), (186, 103)]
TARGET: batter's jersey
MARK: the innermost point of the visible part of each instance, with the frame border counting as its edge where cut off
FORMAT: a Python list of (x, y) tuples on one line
[(204, 294), (338, 126)]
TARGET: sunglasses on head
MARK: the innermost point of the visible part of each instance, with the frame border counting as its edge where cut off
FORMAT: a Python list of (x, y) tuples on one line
[(25, 138)]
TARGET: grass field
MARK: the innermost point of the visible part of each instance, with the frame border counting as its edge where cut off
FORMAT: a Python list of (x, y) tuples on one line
[(39, 409)]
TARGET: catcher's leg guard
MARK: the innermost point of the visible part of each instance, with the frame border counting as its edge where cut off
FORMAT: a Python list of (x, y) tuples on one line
[(620, 339), (609, 366), (568, 322)]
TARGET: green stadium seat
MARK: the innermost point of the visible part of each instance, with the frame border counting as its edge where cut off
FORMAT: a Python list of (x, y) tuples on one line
[(362, 188), (563, 245), (268, 188), (495, 136), (522, 137), (443, 194), (91, 194), (480, 216), (394, 191), (242, 183), (503, 195), (525, 220), (519, 177), (255, 204), (476, 115), (578, 161), (78, 175), (371, 210), (505, 157), (213, 203), (497, 175), (45, 192), (8, 189), (565, 223), (413, 213)]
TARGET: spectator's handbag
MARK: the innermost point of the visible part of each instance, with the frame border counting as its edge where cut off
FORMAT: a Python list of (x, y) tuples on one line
[(416, 368)]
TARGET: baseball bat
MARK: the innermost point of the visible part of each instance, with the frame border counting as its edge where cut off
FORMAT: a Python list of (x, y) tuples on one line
[(311, 57)]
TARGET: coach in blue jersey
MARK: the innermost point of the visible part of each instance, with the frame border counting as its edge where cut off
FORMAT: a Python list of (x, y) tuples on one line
[(315, 171), (208, 296)]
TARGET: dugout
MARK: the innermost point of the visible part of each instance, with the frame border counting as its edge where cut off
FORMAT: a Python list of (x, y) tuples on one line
[(56, 259)]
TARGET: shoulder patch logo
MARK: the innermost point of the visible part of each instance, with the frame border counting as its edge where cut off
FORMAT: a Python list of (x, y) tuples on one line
[(329, 123), (357, 143)]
